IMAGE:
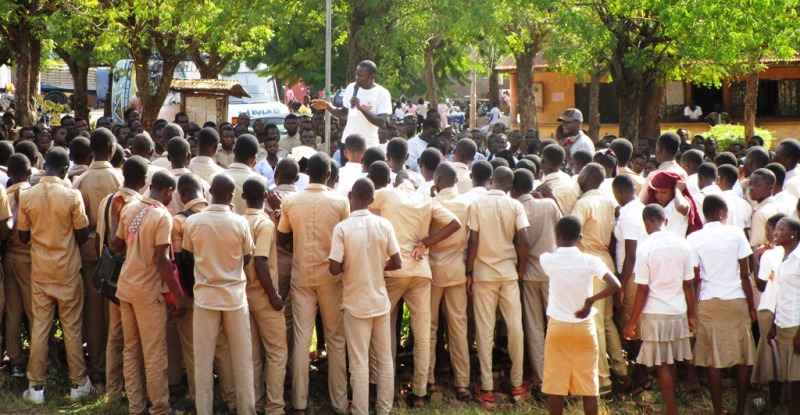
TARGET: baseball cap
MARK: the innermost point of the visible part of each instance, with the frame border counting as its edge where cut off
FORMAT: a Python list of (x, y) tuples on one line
[(571, 114)]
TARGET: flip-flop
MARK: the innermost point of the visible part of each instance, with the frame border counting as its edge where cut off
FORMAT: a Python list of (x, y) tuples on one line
[(485, 397), (464, 395)]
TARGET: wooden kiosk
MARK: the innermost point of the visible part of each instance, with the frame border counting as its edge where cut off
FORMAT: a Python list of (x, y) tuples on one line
[(207, 99)]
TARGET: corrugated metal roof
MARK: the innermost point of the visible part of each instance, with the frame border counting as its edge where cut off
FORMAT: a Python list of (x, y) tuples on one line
[(509, 64), (232, 88), (60, 77)]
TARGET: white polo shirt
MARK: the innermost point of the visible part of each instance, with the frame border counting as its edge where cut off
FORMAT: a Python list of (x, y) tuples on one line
[(630, 226), (717, 249), (770, 261), (663, 263), (787, 311), (571, 273), (739, 210)]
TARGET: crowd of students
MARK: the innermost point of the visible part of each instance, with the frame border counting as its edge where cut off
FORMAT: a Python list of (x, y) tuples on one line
[(234, 241)]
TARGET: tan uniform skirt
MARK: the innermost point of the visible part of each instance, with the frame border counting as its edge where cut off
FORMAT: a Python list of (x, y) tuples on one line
[(724, 337), (665, 339), (763, 371), (789, 369)]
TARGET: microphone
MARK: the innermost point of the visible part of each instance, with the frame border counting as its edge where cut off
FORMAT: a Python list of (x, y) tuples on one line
[(355, 92)]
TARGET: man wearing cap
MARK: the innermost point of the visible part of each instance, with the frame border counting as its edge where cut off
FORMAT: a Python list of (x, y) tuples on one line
[(571, 122)]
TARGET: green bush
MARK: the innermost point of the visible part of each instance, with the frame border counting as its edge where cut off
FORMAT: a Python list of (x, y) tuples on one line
[(727, 134)]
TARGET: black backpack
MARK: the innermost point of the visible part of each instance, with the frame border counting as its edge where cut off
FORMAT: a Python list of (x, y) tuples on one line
[(184, 261)]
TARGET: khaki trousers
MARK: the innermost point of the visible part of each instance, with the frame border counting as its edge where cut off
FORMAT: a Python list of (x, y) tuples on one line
[(305, 301), (534, 325), (144, 327), (268, 335), (222, 360), (284, 290), (416, 293), (17, 287), (609, 344), (235, 327), (115, 346), (95, 321), (45, 299), (174, 356), (455, 309), (487, 297), (367, 337)]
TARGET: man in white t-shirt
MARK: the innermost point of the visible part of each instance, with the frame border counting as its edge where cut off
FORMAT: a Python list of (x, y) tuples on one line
[(576, 139), (692, 112), (494, 114), (369, 105)]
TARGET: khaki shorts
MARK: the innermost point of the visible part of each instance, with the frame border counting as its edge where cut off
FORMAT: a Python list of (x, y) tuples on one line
[(570, 359)]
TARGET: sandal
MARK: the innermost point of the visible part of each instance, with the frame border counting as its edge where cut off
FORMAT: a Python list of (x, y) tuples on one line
[(415, 402), (485, 397), (522, 389), (463, 394)]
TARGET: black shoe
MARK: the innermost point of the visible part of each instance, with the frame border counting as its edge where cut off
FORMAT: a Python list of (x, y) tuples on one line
[(17, 371)]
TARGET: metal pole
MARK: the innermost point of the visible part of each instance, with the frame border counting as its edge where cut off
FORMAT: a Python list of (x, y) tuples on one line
[(328, 41), (473, 92)]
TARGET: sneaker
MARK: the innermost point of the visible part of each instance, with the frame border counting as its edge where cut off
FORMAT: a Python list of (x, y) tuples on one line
[(17, 371), (34, 395), (82, 391)]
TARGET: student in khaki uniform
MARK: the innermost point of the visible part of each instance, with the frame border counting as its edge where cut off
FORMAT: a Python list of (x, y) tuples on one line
[(204, 165), (17, 268), (5, 230), (219, 293), (80, 154), (144, 235), (267, 322), (134, 173), (179, 153), (494, 221), (463, 156), (556, 184), (543, 215), (51, 216), (359, 251), (241, 169), (413, 215), (596, 212), (226, 153), (449, 281), (98, 181), (306, 223)]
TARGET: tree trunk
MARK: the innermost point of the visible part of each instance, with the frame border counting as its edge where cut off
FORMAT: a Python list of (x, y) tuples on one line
[(80, 94), (494, 89), (430, 73), (109, 95), (152, 100), (594, 105), (28, 50), (524, 92), (652, 99), (750, 106)]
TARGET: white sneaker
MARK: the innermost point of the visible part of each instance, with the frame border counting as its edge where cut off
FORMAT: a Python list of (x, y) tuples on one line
[(34, 396), (82, 391)]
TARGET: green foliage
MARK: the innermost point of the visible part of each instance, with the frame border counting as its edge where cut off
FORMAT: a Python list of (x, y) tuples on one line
[(727, 134)]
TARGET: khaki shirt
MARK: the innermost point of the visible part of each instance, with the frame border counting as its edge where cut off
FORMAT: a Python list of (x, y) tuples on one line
[(497, 218), (128, 196), (447, 257), (287, 143), (205, 167), (52, 211), (464, 175), (76, 171), (5, 206), (310, 216), (638, 181), (362, 244), (162, 162), (263, 231), (16, 250), (99, 181), (758, 224), (565, 189), (219, 273), (223, 158), (412, 216), (152, 169), (596, 213), (179, 220), (140, 281), (543, 215), (239, 173), (176, 205)]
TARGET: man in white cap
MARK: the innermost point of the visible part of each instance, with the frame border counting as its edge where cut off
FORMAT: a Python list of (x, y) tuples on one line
[(571, 122)]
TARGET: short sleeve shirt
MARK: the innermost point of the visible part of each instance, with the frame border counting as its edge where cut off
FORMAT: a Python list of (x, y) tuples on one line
[(787, 311), (128, 196), (717, 249), (497, 218), (52, 211), (15, 248), (219, 273), (179, 221), (596, 213), (571, 274), (204, 167), (97, 182), (663, 263), (543, 215), (139, 280), (239, 173), (565, 190), (376, 100), (629, 227), (761, 213), (447, 257), (263, 231), (768, 265), (362, 244)]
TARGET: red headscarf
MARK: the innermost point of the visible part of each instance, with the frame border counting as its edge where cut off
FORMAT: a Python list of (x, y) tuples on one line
[(668, 180)]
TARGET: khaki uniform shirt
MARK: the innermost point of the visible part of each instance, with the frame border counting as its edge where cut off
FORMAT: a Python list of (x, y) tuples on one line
[(239, 173), (310, 216), (223, 158), (139, 280), (152, 169), (16, 250), (543, 215), (362, 244), (287, 143), (447, 257), (179, 220), (219, 273), (99, 181), (52, 211), (263, 231), (565, 189), (464, 175), (497, 218), (128, 196), (758, 224), (5, 206), (205, 167), (162, 161), (412, 216), (176, 205), (596, 213)]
